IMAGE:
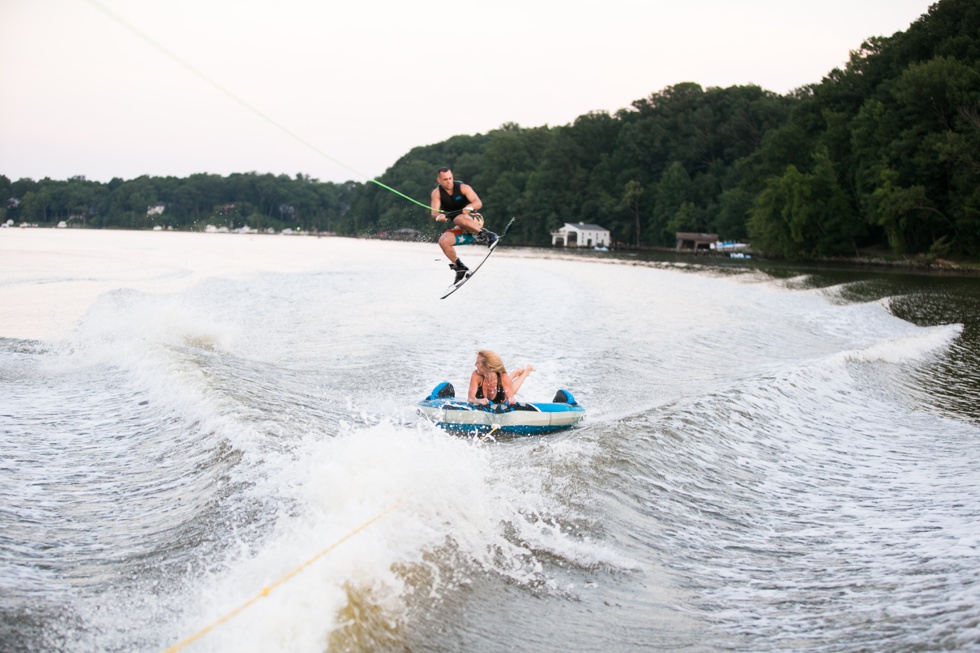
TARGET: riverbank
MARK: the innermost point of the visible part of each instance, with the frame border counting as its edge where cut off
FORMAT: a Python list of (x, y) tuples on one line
[(870, 260)]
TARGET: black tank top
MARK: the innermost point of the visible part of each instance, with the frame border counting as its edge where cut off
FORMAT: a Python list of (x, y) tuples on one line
[(501, 395), (453, 204)]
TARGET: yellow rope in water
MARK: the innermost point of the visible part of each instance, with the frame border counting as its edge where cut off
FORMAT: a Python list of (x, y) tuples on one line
[(495, 427), (265, 591)]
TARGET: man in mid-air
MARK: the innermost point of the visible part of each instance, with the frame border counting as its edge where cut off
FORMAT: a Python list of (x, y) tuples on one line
[(457, 203)]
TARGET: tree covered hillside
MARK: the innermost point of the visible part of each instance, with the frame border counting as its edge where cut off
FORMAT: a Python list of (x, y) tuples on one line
[(883, 154)]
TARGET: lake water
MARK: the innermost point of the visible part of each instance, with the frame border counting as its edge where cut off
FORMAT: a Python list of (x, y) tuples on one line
[(214, 437)]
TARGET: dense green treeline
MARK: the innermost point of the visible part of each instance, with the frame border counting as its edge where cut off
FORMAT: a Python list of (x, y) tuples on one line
[(883, 154), (887, 151), (644, 173), (259, 201)]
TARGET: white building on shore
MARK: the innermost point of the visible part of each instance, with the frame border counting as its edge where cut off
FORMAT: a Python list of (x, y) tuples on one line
[(580, 235)]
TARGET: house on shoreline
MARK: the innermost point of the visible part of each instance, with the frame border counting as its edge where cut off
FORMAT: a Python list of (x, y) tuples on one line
[(580, 235), (695, 242)]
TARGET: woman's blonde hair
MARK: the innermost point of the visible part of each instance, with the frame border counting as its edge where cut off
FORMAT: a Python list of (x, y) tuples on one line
[(492, 361)]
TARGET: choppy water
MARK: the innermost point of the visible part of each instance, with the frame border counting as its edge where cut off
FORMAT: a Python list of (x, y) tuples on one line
[(770, 462)]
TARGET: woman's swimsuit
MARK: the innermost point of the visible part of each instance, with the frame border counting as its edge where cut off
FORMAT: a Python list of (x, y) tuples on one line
[(501, 397)]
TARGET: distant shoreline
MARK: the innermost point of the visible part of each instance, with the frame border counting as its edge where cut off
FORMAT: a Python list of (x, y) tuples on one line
[(920, 264), (937, 266)]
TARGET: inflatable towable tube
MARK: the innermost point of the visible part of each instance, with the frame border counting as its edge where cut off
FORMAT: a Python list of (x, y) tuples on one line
[(461, 417)]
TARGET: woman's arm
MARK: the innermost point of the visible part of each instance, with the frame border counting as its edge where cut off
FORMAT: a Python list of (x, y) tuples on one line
[(474, 385)]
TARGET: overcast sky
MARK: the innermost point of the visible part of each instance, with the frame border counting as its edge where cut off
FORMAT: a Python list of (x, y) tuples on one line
[(340, 90)]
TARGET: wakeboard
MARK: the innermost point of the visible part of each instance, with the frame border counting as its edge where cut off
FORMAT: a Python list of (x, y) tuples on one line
[(459, 284)]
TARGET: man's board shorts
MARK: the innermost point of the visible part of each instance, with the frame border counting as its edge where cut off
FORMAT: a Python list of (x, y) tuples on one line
[(462, 238)]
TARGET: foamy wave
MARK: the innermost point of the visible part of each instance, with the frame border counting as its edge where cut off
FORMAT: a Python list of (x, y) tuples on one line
[(910, 348), (404, 519), (127, 320), (150, 340)]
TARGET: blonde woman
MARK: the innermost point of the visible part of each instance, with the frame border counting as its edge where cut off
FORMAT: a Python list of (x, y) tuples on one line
[(490, 382)]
